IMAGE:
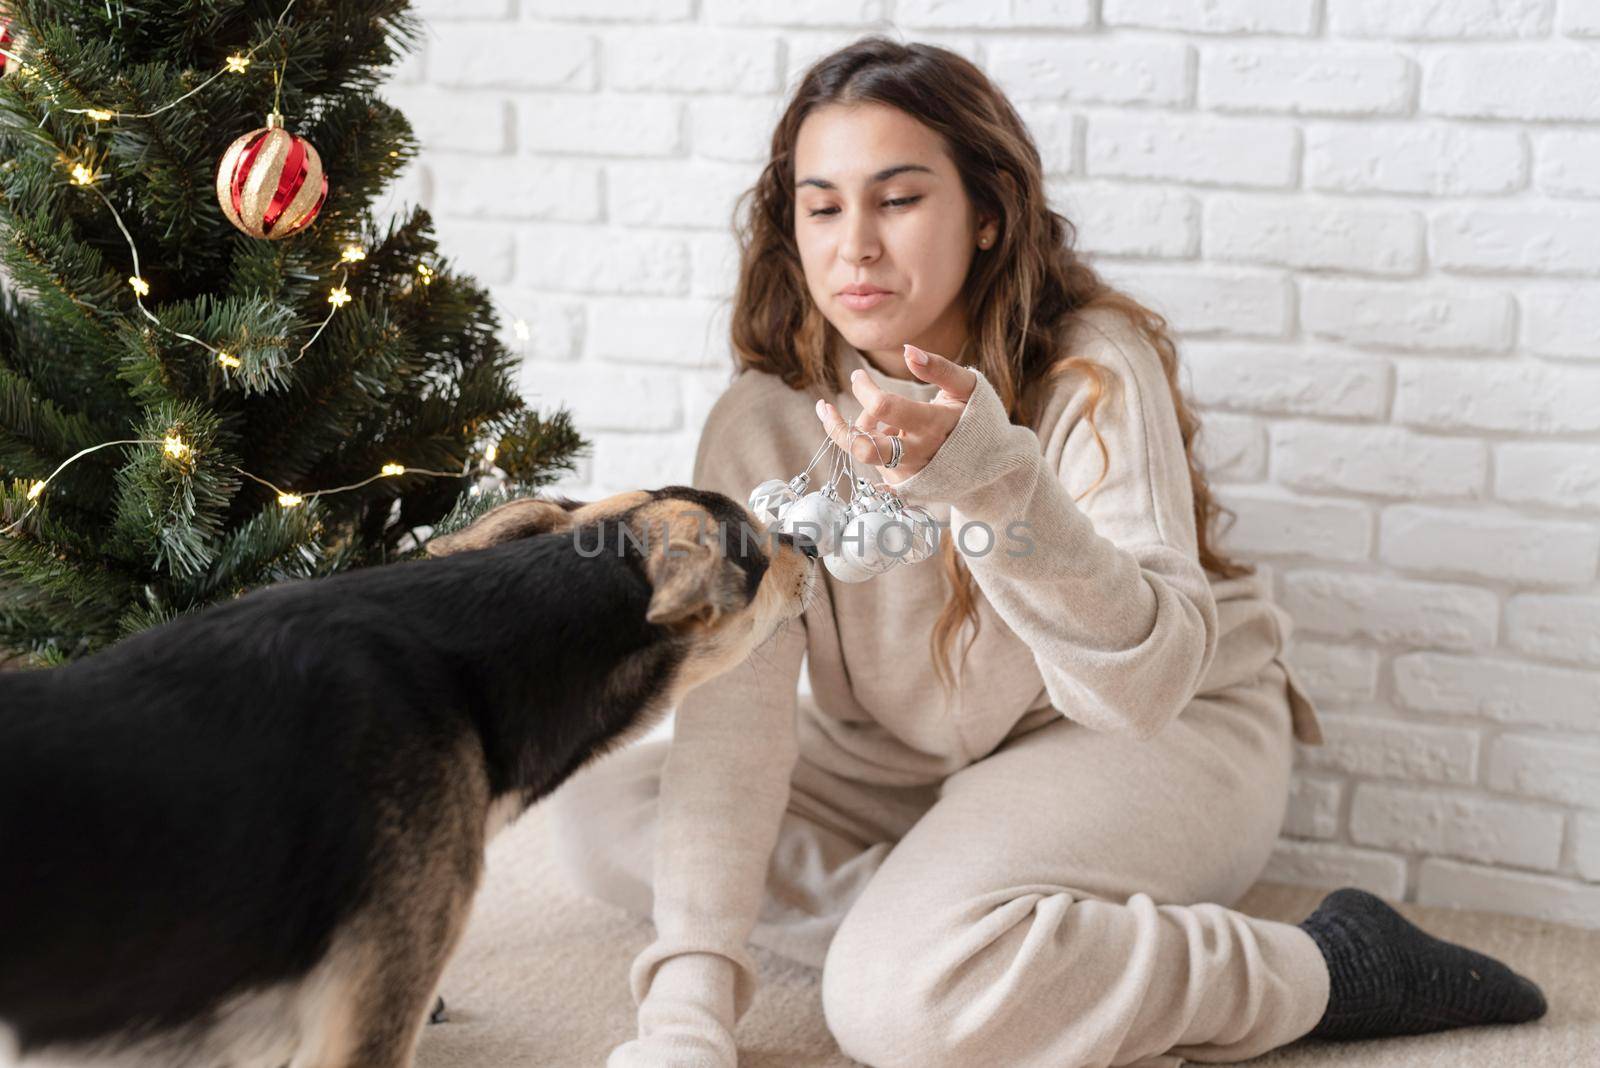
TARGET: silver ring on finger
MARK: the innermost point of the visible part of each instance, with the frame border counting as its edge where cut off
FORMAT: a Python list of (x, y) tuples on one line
[(896, 450)]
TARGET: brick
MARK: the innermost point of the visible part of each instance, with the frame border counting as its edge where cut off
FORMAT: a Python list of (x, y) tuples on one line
[(585, 124), (606, 397), (513, 56), (1393, 749), (1568, 163), (1377, 460), (1502, 690), (676, 332), (455, 121), (1198, 151), (1231, 447), (669, 59), (1555, 625), (1580, 18), (1545, 897), (1130, 220), (1562, 239), (572, 260), (1055, 134), (1523, 396), (1324, 80), (1586, 846), (657, 194), (1495, 83), (812, 13), (1562, 320), (504, 187), (607, 10), (1391, 610), (1285, 379), (1020, 14), (484, 250), (1408, 316), (442, 10), (643, 460), (1414, 158), (1456, 20), (733, 129), (1287, 231), (1281, 379), (1268, 522), (1339, 674), (1555, 769), (555, 326), (1214, 16), (1313, 808), (1487, 830), (714, 263), (1471, 542), (1093, 71), (1328, 865), (1548, 473), (1216, 302)]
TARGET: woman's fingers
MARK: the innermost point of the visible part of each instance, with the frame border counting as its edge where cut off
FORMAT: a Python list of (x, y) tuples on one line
[(948, 375), (866, 446), (890, 409)]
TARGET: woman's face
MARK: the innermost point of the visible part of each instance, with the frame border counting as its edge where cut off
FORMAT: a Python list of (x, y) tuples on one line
[(878, 202)]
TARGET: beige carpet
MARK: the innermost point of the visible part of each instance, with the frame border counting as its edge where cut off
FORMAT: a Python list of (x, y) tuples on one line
[(541, 979)]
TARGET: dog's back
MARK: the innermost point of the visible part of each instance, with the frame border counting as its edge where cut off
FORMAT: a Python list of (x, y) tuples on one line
[(187, 819)]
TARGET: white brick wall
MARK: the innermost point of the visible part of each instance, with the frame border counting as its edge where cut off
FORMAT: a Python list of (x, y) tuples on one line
[(1375, 227)]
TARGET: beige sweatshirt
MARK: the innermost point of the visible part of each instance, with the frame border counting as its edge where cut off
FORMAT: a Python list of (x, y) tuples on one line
[(1108, 619)]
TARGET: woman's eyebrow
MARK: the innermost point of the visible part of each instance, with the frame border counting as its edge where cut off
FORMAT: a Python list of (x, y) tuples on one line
[(882, 176)]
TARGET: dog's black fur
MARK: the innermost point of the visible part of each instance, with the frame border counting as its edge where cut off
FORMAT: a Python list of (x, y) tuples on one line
[(192, 812)]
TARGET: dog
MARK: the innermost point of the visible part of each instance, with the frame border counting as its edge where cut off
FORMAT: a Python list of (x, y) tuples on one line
[(250, 836)]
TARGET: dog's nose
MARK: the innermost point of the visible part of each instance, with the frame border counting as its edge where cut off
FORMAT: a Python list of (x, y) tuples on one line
[(803, 542)]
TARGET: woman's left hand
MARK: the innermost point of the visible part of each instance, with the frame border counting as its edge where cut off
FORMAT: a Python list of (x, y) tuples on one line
[(922, 426)]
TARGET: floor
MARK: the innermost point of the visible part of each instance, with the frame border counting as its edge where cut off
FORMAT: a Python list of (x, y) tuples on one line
[(541, 979)]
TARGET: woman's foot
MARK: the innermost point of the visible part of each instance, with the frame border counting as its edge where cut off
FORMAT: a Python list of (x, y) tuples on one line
[(437, 1016), (1389, 977)]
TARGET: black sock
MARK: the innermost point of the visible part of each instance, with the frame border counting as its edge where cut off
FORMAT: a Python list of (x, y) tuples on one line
[(1389, 977)]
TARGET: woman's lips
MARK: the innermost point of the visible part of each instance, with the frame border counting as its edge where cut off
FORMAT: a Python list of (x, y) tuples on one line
[(863, 301)]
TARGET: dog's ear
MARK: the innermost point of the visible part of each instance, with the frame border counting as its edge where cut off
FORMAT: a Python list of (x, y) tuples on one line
[(694, 583), (515, 519)]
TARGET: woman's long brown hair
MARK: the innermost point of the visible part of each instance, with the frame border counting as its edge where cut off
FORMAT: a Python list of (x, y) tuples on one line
[(1021, 295)]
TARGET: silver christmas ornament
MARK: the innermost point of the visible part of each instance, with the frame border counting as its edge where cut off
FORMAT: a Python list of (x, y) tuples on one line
[(863, 542), (819, 515), (772, 497), (846, 571)]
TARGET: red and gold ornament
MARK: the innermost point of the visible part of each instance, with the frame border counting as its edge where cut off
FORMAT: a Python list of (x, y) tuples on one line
[(270, 183), (8, 46)]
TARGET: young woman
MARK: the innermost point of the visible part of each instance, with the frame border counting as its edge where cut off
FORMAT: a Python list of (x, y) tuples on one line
[(1023, 855)]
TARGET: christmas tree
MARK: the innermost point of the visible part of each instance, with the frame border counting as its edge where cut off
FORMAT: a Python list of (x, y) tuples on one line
[(214, 374)]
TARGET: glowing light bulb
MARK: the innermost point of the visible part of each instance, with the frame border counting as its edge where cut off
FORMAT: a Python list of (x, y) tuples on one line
[(83, 174), (175, 447), (34, 491), (140, 286), (394, 469), (426, 272), (100, 114), (489, 453), (339, 297), (290, 500), (353, 254), (238, 63), (228, 360)]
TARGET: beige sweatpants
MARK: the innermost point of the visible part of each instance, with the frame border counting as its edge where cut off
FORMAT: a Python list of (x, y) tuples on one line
[(1060, 903)]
